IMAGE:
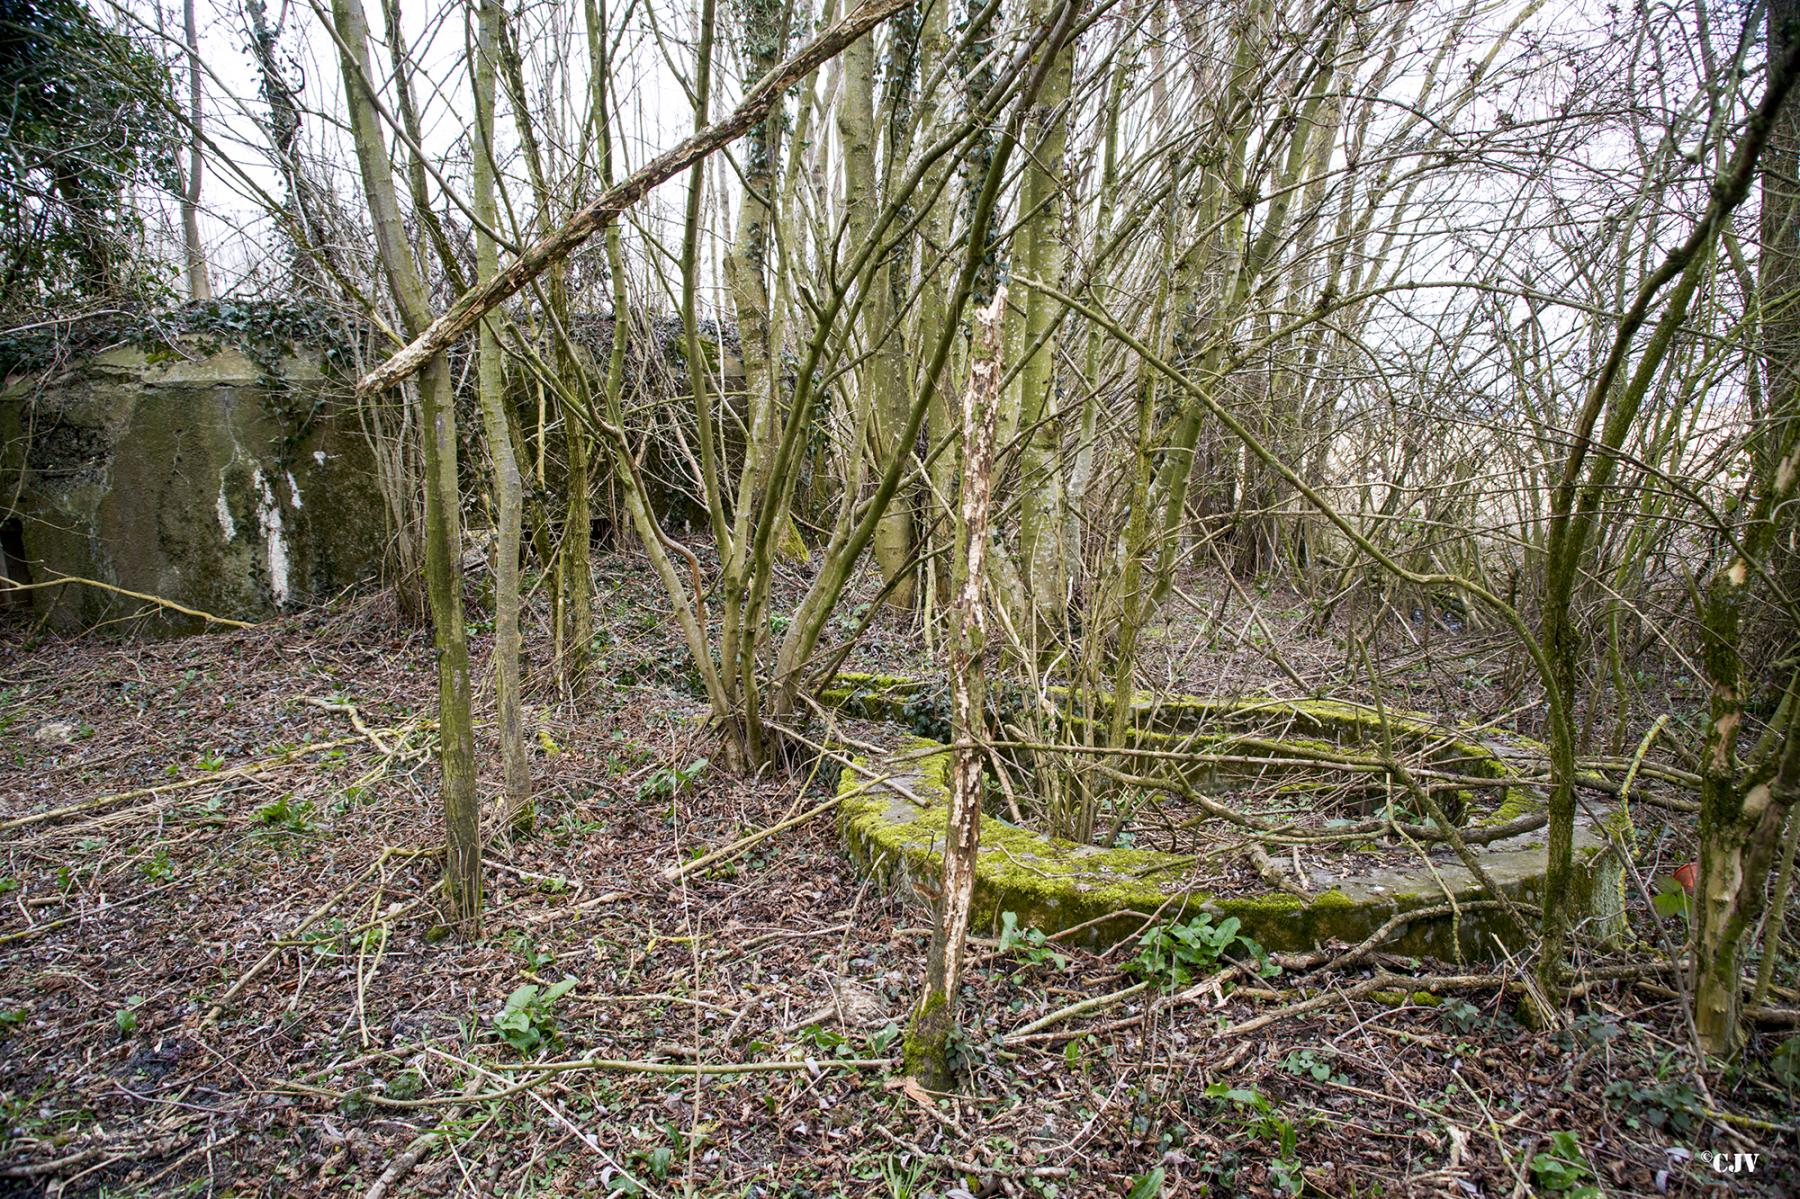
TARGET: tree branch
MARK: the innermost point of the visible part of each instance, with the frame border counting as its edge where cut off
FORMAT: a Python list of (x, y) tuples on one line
[(476, 303)]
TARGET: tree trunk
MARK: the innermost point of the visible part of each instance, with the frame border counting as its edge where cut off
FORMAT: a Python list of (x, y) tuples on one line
[(882, 380), (199, 283), (1046, 530), (443, 524), (508, 491), (927, 1041)]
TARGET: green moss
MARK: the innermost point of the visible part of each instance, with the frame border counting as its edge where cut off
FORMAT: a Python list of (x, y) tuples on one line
[(926, 1049), (1057, 885)]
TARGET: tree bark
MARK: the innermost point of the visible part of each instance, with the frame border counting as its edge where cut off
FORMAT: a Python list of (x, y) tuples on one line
[(1046, 527), (199, 282), (508, 490), (927, 1042), (443, 524)]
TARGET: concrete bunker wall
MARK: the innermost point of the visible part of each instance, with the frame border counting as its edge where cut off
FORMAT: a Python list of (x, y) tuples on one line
[(193, 474)]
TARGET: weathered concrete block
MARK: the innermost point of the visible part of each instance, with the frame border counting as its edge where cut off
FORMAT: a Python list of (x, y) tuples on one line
[(194, 474)]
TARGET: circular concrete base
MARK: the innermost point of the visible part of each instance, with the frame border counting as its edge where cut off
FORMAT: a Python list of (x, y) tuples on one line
[(894, 808)]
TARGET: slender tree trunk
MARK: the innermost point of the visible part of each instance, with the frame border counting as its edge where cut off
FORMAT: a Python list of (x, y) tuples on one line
[(1742, 811), (508, 490), (882, 381), (927, 1042), (1046, 532), (940, 419), (443, 524), (199, 283)]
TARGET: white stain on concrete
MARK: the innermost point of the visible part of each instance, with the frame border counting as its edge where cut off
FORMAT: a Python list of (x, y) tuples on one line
[(268, 516), (226, 524)]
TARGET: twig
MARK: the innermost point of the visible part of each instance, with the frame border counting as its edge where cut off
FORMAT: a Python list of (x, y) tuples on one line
[(318, 914), (409, 1157), (38, 930), (356, 720), (676, 873), (963, 1167), (158, 600), (546, 1070)]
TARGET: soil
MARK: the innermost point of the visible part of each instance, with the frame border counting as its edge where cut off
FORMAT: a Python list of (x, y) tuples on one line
[(122, 927)]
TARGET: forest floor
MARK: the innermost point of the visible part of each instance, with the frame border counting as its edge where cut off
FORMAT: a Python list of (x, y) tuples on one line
[(235, 981)]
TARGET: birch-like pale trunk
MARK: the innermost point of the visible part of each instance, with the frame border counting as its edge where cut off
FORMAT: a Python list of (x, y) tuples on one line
[(927, 1042)]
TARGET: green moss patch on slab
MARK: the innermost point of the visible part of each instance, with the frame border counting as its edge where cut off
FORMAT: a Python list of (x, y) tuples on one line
[(894, 810)]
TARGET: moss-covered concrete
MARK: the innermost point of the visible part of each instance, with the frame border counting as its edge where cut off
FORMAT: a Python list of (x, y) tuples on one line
[(895, 827), (194, 474)]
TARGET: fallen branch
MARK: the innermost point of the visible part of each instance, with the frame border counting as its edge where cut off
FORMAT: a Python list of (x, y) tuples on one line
[(1381, 981), (545, 253), (158, 600)]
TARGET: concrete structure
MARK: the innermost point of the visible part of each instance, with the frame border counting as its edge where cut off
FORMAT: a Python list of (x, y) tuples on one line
[(191, 473), (893, 811)]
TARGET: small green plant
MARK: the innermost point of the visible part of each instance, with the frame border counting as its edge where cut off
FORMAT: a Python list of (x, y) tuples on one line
[(1028, 945), (157, 867), (407, 1084), (126, 1017), (527, 1022), (1306, 1063), (286, 814), (1563, 1170), (1784, 1063), (827, 1040), (1173, 954), (902, 1181), (657, 1159), (1258, 1116), (669, 781), (882, 1038), (535, 958), (1460, 1014), (1671, 899), (1148, 1185), (212, 762), (1668, 1104)]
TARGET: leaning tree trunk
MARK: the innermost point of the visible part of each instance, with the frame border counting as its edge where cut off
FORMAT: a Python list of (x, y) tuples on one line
[(443, 525), (927, 1042)]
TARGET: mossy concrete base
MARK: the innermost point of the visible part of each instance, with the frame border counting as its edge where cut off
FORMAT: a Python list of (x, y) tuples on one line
[(894, 808)]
